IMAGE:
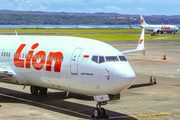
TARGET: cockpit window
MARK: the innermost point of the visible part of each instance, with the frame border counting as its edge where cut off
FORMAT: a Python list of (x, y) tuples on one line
[(122, 58), (101, 59), (95, 59), (111, 58)]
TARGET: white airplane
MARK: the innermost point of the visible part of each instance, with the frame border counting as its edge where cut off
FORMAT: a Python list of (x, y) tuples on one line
[(72, 64), (158, 28)]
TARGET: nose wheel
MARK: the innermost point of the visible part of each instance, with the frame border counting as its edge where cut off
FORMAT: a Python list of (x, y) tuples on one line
[(99, 112)]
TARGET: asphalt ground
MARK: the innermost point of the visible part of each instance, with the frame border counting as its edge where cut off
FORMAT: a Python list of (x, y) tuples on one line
[(143, 101), (41, 33)]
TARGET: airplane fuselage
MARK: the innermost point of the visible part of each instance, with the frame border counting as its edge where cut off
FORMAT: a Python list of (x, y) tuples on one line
[(77, 65), (161, 28)]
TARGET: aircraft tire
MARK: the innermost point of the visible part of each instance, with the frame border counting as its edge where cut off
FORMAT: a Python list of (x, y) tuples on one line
[(96, 113), (103, 112), (43, 91), (34, 90)]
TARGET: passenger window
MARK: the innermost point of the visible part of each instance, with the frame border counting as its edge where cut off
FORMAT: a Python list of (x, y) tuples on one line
[(54, 58), (45, 57), (111, 58), (51, 58), (101, 59), (2, 54), (58, 58), (48, 58), (29, 56), (95, 59), (17, 55), (23, 55), (9, 54), (41, 57), (6, 54), (122, 58), (20, 56), (35, 57), (62, 59)]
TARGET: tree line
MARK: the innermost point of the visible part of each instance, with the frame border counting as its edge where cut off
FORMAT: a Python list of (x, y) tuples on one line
[(39, 19)]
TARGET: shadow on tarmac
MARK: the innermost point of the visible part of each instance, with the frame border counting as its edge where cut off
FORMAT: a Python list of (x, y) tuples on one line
[(56, 100), (141, 85)]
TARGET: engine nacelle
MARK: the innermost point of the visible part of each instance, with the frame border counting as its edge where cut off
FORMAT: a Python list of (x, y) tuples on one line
[(156, 31)]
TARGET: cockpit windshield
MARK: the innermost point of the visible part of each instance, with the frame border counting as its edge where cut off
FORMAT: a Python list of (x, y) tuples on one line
[(100, 59), (122, 58), (111, 58)]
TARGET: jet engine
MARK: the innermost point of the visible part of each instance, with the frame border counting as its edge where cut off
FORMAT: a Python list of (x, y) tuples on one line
[(155, 31)]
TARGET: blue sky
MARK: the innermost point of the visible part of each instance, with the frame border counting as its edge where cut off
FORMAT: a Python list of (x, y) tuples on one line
[(145, 7)]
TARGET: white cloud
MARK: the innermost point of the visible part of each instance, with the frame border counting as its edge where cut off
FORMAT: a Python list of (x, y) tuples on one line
[(113, 8), (91, 1), (69, 9), (20, 8), (92, 10), (41, 8), (140, 9)]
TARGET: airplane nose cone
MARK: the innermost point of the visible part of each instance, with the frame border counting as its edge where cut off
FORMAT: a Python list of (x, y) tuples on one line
[(123, 76)]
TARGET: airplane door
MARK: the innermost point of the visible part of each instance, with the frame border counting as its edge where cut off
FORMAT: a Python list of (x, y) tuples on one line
[(2, 55), (74, 61)]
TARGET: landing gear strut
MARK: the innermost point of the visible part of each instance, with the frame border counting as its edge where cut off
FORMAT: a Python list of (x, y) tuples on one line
[(38, 90), (99, 112)]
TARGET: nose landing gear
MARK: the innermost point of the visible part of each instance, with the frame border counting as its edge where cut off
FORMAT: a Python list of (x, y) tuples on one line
[(98, 112)]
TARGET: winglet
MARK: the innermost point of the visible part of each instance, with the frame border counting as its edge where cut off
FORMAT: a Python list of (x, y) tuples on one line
[(16, 32), (140, 46)]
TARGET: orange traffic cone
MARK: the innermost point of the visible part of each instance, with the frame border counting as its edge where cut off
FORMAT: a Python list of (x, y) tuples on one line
[(155, 81), (164, 57), (150, 79)]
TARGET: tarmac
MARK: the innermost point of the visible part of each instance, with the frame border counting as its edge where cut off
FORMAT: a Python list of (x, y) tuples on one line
[(142, 101)]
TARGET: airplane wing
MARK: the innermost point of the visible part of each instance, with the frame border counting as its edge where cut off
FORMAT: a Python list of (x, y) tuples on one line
[(140, 47)]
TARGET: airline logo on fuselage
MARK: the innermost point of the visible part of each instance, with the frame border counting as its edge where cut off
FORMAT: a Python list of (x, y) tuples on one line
[(41, 56), (164, 27), (142, 21)]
